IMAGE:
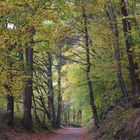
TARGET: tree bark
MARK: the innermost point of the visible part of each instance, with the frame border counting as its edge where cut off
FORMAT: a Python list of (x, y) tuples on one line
[(10, 110), (28, 89), (114, 28), (10, 97), (59, 111), (68, 114), (129, 49), (51, 108), (27, 120), (88, 67)]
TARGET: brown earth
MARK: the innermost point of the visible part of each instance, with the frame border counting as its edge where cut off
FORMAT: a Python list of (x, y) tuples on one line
[(67, 133)]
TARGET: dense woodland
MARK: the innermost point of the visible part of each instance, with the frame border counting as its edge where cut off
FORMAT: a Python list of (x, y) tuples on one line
[(68, 62)]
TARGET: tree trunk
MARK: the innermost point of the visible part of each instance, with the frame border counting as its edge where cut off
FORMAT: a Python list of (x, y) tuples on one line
[(129, 49), (51, 108), (68, 114), (10, 97), (90, 89), (10, 110), (27, 120), (28, 90), (74, 115), (59, 97), (114, 28)]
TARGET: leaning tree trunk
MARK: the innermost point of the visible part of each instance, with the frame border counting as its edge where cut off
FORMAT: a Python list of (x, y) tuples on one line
[(88, 67), (129, 49), (51, 108), (114, 28)]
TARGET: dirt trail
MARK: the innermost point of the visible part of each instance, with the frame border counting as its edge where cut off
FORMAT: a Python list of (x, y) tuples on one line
[(67, 133), (70, 133)]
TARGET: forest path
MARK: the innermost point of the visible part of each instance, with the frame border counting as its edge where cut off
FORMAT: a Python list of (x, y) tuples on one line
[(67, 133), (70, 133)]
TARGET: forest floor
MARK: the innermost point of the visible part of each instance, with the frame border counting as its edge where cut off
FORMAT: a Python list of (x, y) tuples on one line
[(67, 133)]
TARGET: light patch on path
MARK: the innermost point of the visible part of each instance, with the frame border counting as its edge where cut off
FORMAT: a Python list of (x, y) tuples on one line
[(70, 133)]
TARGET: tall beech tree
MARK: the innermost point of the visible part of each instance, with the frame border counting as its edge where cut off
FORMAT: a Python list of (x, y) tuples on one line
[(114, 27), (60, 63), (51, 108), (10, 97), (129, 48), (59, 111), (88, 68), (29, 83)]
